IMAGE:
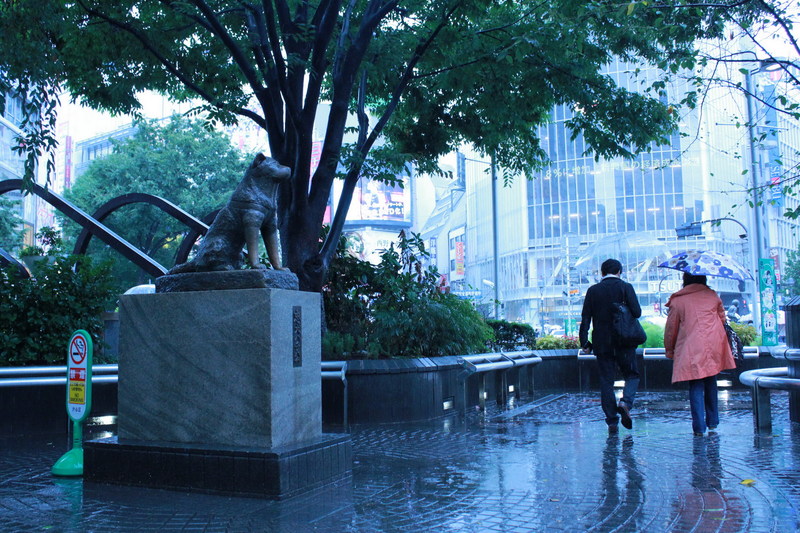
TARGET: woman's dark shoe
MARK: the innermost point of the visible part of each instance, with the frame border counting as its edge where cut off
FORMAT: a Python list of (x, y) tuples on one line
[(625, 415)]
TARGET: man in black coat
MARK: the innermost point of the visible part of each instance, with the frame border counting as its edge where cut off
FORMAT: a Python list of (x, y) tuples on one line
[(598, 310)]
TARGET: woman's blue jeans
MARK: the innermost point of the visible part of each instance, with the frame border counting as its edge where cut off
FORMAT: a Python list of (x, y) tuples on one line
[(703, 402)]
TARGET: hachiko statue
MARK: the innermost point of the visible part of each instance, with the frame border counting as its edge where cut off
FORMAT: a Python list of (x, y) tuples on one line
[(250, 211)]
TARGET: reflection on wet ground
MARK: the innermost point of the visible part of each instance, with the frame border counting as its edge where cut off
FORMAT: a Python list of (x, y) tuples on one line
[(541, 465)]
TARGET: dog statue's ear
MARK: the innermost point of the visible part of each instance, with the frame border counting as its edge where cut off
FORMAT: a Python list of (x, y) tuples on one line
[(260, 158)]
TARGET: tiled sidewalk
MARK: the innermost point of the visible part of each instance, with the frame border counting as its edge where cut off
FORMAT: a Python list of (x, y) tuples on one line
[(545, 465)]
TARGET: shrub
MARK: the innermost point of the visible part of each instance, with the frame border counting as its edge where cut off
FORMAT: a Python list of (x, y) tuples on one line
[(746, 332), (655, 335), (551, 342), (38, 315), (510, 336), (395, 309)]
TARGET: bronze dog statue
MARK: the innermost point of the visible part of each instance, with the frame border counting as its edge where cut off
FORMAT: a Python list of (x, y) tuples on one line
[(251, 210)]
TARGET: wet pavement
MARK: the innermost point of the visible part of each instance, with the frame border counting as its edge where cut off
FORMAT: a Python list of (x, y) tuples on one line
[(547, 464)]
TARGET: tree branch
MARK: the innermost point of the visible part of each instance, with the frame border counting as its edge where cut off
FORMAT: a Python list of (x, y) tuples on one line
[(171, 67), (236, 53)]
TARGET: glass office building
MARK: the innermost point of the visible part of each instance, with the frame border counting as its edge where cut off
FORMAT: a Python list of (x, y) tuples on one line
[(556, 228)]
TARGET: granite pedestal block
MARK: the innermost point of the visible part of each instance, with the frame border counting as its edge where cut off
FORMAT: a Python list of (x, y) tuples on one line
[(231, 372), (276, 473)]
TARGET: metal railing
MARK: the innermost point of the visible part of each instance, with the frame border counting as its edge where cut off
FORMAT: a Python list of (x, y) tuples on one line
[(34, 376), (750, 352), (501, 362), (761, 381), (486, 362), (337, 370)]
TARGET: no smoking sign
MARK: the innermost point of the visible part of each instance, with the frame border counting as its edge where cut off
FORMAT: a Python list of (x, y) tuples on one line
[(77, 348), (79, 376)]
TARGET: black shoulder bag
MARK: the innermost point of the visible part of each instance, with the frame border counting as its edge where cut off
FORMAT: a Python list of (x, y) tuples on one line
[(628, 332), (737, 346)]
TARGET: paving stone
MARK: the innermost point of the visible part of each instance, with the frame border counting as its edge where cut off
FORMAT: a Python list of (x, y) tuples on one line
[(542, 465)]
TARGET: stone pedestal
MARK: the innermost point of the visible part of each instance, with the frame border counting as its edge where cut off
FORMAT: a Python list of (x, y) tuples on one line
[(209, 375)]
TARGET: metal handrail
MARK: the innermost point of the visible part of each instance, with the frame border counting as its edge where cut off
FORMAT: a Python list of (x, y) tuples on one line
[(37, 382), (487, 362), (30, 376), (770, 378), (26, 371), (334, 370)]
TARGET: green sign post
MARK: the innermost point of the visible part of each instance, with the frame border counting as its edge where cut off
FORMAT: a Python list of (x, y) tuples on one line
[(79, 401), (768, 288)]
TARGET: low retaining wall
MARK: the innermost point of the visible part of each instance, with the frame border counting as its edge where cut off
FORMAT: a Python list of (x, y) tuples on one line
[(31, 410), (403, 390), (383, 391)]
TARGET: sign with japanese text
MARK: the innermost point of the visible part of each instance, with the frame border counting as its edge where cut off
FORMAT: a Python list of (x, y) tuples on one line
[(769, 306), (460, 258), (79, 375)]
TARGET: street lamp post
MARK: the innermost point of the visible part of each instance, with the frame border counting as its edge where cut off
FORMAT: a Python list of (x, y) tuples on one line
[(495, 232), (755, 171), (495, 241)]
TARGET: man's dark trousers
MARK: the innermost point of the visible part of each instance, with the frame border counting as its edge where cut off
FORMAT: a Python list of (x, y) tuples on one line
[(607, 363)]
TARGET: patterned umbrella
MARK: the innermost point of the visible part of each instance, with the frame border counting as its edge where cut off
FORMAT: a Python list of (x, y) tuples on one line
[(707, 263)]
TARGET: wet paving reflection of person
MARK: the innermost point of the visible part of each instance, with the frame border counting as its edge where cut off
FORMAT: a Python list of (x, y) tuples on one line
[(623, 488)]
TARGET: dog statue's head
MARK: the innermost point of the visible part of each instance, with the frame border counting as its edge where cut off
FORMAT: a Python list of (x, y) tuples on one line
[(266, 167)]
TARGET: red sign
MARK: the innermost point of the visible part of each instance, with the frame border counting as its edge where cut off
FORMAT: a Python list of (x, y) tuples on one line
[(77, 349), (77, 374)]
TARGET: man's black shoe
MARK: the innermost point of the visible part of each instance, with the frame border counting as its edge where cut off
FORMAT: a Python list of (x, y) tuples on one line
[(613, 429), (625, 415)]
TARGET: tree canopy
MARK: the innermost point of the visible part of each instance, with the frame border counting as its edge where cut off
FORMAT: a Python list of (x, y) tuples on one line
[(180, 161), (420, 76)]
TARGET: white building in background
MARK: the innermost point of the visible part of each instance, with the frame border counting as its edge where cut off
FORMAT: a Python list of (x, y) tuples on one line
[(556, 228), (33, 212)]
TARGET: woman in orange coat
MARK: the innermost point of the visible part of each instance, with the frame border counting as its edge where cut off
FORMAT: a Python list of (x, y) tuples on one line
[(695, 339)]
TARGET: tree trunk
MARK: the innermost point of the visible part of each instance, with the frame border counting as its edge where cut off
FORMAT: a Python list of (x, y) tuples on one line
[(300, 244)]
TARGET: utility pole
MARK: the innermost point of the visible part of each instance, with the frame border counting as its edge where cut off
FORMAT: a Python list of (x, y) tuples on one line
[(495, 233), (756, 183)]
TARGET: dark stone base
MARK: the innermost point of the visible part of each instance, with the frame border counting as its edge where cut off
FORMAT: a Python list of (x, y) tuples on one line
[(227, 280), (273, 474)]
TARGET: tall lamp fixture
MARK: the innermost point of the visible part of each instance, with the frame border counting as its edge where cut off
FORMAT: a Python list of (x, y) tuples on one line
[(495, 241)]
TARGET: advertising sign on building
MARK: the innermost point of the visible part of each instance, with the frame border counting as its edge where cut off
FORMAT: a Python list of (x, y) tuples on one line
[(769, 306), (460, 258), (381, 201)]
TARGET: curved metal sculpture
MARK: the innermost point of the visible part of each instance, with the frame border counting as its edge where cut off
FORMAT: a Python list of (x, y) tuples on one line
[(196, 226), (116, 242), (189, 240)]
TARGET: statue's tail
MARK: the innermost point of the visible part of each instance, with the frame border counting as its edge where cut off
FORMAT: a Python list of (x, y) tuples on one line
[(189, 266)]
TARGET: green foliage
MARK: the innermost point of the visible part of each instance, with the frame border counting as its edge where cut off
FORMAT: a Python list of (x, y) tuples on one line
[(49, 244), (11, 232), (551, 342), (510, 336), (747, 333), (394, 309), (792, 270), (38, 315), (655, 335), (180, 161)]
